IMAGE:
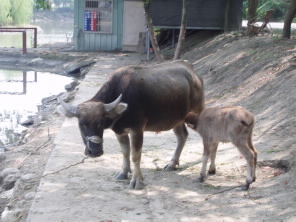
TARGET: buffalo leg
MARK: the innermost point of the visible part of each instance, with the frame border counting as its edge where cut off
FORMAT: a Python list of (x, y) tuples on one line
[(125, 149), (137, 178), (181, 134)]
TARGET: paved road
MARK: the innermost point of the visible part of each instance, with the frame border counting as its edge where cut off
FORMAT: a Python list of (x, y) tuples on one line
[(273, 25)]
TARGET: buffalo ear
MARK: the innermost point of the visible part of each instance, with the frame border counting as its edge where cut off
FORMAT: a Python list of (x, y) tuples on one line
[(115, 108), (110, 106), (117, 111)]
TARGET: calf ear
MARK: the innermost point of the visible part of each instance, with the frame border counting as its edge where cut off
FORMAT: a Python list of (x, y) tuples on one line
[(190, 125)]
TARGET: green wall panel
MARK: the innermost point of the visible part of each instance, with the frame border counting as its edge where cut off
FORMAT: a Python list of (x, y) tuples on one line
[(94, 41)]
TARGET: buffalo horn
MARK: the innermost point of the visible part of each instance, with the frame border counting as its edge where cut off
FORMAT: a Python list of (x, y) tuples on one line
[(68, 107), (112, 105)]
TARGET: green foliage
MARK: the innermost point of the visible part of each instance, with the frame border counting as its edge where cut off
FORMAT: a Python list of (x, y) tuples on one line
[(280, 8), (15, 12), (4, 12), (21, 11), (42, 4), (64, 3), (147, 3)]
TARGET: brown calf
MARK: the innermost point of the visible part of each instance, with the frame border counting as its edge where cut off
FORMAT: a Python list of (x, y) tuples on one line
[(226, 124)]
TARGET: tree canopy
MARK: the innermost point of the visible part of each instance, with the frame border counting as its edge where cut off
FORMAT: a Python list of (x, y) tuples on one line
[(16, 12), (280, 8)]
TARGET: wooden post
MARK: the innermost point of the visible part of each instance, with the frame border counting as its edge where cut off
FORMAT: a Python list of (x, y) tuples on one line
[(24, 82), (35, 37), (24, 42)]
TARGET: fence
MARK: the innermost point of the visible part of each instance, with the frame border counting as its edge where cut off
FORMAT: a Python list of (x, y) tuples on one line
[(22, 30)]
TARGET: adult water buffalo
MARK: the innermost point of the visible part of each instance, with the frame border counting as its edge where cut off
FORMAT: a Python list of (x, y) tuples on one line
[(137, 99)]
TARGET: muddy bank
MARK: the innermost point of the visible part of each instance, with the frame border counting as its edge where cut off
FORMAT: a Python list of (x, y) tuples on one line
[(47, 60), (36, 141)]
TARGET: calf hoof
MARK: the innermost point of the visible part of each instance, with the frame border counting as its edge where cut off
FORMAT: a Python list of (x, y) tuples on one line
[(248, 182), (172, 165), (136, 185), (200, 179), (246, 187), (121, 176), (169, 168)]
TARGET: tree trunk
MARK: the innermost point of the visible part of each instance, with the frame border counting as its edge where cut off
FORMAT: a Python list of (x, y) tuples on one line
[(227, 16), (253, 5), (153, 39), (182, 33), (288, 19)]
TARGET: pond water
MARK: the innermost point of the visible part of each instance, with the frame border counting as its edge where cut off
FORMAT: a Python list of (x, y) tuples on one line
[(20, 95), (47, 33)]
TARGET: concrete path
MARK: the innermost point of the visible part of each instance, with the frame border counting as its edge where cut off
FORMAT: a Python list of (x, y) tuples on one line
[(67, 186)]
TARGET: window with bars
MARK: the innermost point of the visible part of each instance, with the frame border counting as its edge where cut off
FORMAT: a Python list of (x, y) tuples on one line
[(98, 16)]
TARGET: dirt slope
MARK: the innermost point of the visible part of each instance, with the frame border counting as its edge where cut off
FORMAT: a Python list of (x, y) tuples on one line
[(260, 74)]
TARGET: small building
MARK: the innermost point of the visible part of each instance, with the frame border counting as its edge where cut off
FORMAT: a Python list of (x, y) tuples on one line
[(201, 14), (108, 25)]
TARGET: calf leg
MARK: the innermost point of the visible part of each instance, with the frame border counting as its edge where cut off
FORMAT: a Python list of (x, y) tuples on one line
[(250, 157), (182, 134), (250, 143), (213, 151), (125, 149), (205, 157), (137, 178)]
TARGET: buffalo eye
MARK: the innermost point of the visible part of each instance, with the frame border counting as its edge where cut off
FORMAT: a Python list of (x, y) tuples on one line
[(107, 123), (99, 125), (83, 126)]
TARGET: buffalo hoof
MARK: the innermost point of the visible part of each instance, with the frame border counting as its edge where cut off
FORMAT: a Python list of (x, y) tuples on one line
[(212, 172), (121, 176), (136, 185)]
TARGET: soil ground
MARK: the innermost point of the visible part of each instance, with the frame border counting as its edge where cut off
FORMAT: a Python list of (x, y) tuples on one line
[(257, 73)]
